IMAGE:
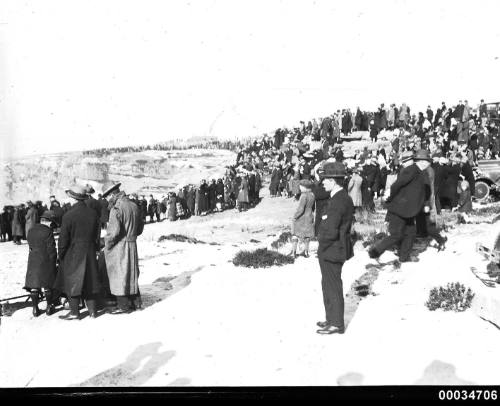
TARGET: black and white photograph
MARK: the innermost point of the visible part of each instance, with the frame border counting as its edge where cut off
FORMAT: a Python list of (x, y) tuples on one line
[(198, 195)]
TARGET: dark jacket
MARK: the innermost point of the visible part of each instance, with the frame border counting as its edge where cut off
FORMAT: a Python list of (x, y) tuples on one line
[(468, 174), (334, 236), (104, 218), (42, 258), (78, 242), (94, 205), (407, 193), (321, 196)]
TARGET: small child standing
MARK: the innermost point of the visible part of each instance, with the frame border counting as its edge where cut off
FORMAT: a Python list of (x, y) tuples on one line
[(464, 200)]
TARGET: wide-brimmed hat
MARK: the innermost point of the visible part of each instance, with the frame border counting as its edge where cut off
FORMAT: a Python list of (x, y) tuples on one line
[(333, 170), (407, 155), (77, 192), (422, 155), (108, 188)]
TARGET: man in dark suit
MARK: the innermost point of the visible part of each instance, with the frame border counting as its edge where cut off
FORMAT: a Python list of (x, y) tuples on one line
[(404, 203), (335, 246), (78, 243)]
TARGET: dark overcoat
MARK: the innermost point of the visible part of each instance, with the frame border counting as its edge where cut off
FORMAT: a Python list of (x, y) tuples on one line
[(321, 196), (450, 184), (407, 193), (334, 235), (42, 257), (78, 242)]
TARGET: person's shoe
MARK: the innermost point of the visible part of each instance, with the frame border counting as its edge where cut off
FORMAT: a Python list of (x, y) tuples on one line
[(50, 310), (34, 300), (442, 245), (306, 255), (93, 315), (373, 253), (331, 330), (322, 324), (120, 311), (70, 316), (411, 258)]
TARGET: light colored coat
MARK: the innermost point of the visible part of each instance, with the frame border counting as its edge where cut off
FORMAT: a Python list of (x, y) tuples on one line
[(303, 219), (354, 190), (120, 251)]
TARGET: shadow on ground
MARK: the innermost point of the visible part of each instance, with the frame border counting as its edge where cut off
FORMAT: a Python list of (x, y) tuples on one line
[(133, 371), (441, 373)]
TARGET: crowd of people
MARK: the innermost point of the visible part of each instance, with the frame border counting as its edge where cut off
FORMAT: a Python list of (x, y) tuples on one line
[(426, 167)]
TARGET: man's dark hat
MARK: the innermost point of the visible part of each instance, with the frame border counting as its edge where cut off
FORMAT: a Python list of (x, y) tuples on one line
[(49, 215), (110, 189), (407, 155), (77, 192), (422, 155), (333, 170)]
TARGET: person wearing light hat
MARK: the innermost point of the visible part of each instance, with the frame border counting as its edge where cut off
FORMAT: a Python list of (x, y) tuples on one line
[(405, 201), (78, 275), (42, 268), (335, 246), (120, 250)]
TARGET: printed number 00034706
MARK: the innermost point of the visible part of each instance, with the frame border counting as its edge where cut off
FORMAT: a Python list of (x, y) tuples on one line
[(468, 394)]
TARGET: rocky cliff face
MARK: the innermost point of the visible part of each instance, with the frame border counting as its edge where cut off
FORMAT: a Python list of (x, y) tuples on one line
[(36, 178)]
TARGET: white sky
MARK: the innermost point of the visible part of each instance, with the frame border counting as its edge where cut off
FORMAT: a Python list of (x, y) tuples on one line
[(85, 74)]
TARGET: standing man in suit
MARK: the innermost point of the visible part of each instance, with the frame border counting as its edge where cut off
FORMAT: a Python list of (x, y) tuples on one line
[(335, 246), (404, 203)]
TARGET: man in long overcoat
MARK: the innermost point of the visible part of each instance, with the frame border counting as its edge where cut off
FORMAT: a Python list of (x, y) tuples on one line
[(335, 246), (404, 203), (120, 251), (78, 274), (31, 217)]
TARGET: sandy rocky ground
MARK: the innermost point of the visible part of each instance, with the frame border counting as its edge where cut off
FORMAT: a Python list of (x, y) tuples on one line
[(208, 322)]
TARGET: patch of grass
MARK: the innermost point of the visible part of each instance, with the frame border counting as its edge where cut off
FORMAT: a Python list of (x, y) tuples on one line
[(282, 240), (453, 297), (261, 258)]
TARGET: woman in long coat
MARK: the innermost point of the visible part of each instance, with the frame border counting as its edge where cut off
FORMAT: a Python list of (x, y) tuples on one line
[(303, 219), (276, 176), (42, 257), (17, 227), (243, 194), (354, 189), (171, 207)]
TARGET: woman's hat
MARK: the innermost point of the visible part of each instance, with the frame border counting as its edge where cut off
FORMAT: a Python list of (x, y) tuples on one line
[(108, 189), (77, 192)]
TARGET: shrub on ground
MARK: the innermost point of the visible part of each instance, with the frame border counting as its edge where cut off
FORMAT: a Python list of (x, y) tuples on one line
[(452, 297), (261, 258)]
